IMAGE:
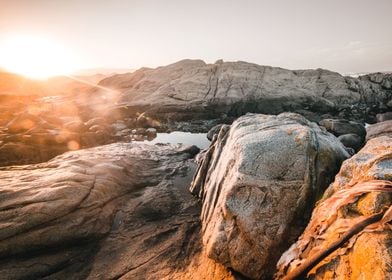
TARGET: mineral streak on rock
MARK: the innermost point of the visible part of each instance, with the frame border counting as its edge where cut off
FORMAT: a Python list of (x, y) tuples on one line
[(362, 191)]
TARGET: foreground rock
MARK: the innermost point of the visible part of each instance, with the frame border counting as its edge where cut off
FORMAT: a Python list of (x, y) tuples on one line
[(351, 222), (258, 182), (116, 211)]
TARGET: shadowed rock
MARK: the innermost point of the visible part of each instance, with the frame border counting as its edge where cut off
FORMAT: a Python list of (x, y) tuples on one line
[(340, 127), (351, 140), (115, 211), (258, 182)]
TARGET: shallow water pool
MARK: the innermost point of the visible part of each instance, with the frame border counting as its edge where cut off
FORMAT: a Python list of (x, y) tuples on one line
[(187, 138)]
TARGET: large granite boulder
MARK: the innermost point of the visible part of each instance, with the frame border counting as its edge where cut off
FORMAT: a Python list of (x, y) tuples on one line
[(192, 89), (258, 182), (349, 235), (115, 211)]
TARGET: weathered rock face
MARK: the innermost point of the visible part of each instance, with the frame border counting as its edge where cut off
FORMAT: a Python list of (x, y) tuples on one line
[(349, 235), (115, 211), (258, 182), (192, 89), (379, 129)]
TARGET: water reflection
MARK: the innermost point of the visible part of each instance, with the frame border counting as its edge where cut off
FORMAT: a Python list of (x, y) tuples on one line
[(187, 138)]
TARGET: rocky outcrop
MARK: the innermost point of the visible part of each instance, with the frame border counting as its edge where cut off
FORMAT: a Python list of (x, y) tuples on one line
[(192, 89), (31, 138), (213, 131), (384, 116), (340, 127), (351, 134), (115, 211), (47, 127), (189, 95), (379, 129), (258, 182), (349, 235), (352, 141)]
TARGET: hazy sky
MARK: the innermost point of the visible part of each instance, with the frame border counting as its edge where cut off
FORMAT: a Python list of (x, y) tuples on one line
[(341, 35)]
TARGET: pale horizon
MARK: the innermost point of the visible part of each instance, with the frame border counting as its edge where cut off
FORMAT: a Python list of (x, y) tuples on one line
[(346, 37)]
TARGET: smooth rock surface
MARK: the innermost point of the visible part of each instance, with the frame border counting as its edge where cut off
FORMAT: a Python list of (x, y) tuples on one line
[(120, 211), (362, 188), (258, 182)]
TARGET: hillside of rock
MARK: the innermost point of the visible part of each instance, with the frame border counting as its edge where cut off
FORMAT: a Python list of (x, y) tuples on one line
[(192, 89)]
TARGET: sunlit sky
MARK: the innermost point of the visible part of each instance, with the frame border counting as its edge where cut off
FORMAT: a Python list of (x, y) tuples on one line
[(341, 35)]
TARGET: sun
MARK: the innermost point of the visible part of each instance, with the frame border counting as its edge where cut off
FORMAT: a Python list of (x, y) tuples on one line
[(35, 57)]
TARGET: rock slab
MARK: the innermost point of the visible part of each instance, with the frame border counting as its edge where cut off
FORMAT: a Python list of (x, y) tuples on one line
[(119, 211)]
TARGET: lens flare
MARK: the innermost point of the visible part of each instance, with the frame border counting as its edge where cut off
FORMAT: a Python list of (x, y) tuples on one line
[(35, 57)]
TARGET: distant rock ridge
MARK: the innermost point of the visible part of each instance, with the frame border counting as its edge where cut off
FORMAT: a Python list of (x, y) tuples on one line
[(193, 89), (189, 95)]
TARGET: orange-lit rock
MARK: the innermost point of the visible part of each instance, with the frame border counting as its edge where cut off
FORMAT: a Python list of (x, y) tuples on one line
[(362, 189)]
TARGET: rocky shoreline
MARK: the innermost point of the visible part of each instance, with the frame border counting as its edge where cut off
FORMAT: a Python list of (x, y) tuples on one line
[(292, 185)]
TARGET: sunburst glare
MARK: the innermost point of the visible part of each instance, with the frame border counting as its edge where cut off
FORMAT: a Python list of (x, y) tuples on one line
[(35, 57)]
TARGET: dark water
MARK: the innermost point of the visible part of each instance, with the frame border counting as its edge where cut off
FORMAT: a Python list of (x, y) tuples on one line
[(187, 138)]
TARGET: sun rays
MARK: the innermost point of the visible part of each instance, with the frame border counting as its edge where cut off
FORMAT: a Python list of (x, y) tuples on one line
[(35, 57)]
